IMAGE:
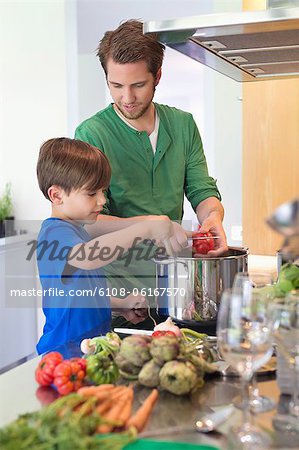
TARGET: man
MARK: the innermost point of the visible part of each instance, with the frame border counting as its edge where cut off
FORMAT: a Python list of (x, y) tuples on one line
[(155, 151)]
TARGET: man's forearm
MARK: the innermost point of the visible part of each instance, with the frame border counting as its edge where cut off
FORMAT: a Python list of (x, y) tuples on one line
[(208, 207)]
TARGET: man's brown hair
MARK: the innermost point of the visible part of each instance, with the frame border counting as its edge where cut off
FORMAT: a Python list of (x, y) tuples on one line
[(128, 44), (71, 164)]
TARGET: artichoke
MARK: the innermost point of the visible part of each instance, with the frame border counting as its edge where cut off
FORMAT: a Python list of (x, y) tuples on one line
[(164, 348), (178, 377), (127, 369), (135, 349), (149, 374)]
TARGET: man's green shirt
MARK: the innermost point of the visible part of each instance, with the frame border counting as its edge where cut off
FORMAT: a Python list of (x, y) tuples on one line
[(144, 182)]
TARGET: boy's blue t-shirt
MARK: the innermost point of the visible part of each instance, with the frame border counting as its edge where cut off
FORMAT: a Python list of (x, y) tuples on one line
[(75, 301)]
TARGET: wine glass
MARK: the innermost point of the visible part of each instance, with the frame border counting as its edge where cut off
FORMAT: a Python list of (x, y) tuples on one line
[(247, 285), (244, 339), (286, 335)]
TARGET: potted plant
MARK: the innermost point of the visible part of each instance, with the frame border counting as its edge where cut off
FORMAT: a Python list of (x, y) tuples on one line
[(6, 224)]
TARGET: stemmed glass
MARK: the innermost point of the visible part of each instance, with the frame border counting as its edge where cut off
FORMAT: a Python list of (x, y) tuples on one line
[(244, 285), (286, 336), (244, 339)]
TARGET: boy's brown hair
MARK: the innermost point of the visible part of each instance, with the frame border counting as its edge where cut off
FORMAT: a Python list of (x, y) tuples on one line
[(128, 44), (72, 164)]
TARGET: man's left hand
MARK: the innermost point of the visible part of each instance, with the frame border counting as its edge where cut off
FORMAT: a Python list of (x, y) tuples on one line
[(213, 223)]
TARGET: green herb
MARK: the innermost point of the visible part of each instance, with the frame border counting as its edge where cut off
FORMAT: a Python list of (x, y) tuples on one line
[(288, 280), (59, 427), (6, 203)]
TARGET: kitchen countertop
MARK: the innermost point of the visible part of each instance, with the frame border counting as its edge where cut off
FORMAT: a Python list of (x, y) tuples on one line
[(20, 393), (262, 264)]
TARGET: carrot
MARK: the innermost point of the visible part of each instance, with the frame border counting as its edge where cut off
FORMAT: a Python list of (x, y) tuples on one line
[(102, 396), (113, 416), (118, 393), (89, 391), (127, 409), (104, 406), (140, 418)]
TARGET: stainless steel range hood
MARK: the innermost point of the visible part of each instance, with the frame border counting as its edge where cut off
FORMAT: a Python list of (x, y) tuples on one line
[(246, 46)]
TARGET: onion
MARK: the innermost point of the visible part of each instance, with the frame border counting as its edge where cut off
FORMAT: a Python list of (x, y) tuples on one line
[(87, 347), (168, 325)]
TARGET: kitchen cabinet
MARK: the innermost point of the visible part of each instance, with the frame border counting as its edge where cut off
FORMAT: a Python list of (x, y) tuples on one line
[(18, 318), (270, 155)]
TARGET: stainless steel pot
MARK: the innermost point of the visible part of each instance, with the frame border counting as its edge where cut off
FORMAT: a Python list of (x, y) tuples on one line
[(190, 288)]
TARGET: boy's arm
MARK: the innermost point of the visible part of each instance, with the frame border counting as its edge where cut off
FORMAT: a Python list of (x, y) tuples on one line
[(106, 248), (108, 224)]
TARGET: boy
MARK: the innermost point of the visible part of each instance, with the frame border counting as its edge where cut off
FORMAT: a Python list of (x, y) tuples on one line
[(73, 175)]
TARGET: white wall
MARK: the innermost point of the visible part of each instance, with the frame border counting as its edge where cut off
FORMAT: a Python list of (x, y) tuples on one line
[(34, 89)]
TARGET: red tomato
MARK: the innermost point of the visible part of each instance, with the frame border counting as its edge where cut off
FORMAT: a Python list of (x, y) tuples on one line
[(44, 374), (68, 377), (203, 246)]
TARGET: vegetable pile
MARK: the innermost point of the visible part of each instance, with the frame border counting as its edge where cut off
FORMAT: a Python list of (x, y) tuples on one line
[(73, 421), (101, 415), (164, 360), (169, 358)]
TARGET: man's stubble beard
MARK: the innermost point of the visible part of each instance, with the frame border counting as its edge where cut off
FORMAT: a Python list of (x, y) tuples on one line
[(136, 115), (139, 114)]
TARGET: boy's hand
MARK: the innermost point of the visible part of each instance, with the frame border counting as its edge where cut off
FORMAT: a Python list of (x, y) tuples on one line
[(179, 240), (134, 308), (135, 302), (168, 234), (160, 228)]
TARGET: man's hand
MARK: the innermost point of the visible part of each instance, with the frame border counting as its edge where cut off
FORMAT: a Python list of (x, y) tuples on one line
[(210, 215), (213, 223)]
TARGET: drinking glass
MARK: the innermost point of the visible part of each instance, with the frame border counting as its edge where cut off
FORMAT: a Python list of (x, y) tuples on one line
[(244, 338), (286, 335), (246, 285)]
